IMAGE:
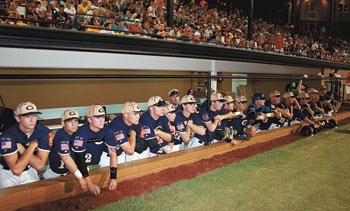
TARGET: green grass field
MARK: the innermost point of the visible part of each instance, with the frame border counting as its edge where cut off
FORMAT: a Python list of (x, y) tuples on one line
[(309, 174)]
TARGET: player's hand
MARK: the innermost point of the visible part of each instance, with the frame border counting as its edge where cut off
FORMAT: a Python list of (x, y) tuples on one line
[(94, 189), (190, 122), (82, 183), (112, 184), (21, 148)]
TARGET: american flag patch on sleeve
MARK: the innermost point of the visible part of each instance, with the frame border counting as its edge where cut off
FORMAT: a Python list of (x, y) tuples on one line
[(6, 145), (78, 143)]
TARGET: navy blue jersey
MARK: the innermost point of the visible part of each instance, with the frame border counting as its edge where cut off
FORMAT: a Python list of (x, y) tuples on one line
[(61, 146), (14, 135), (270, 107), (178, 108), (146, 130), (325, 97), (122, 132), (180, 122), (237, 124), (165, 125), (305, 110), (93, 150), (207, 117), (254, 108)]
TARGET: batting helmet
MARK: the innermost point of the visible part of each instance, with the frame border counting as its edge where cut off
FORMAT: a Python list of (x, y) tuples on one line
[(333, 123), (307, 131)]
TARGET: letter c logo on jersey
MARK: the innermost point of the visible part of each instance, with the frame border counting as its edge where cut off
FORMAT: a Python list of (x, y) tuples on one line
[(244, 122), (30, 107)]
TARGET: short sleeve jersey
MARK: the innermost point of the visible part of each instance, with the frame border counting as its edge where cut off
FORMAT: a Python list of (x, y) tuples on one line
[(207, 117), (146, 130), (122, 132), (61, 146), (238, 124), (14, 135), (93, 150), (181, 121)]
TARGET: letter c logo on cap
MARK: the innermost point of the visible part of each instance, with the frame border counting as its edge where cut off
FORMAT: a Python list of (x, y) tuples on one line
[(72, 113), (101, 110), (30, 107)]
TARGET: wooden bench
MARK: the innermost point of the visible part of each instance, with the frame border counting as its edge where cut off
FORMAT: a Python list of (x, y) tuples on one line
[(24, 195)]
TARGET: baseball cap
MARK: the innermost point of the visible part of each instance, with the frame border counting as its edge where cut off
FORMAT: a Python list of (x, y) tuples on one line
[(274, 94), (26, 108), (170, 108), (69, 114), (129, 107), (241, 99), (188, 99), (303, 95), (156, 101), (312, 91), (93, 7), (288, 94), (217, 97), (96, 111), (258, 96), (322, 88), (137, 20), (228, 99), (173, 92)]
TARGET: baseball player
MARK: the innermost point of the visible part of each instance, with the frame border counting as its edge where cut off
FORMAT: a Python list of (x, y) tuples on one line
[(291, 109), (306, 108), (165, 126), (87, 154), (314, 103), (258, 109), (271, 106), (25, 142), (123, 127), (187, 121), (174, 98), (61, 159), (148, 131), (325, 101), (212, 121)]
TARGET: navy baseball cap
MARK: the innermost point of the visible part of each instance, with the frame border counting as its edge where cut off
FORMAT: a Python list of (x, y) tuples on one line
[(258, 96)]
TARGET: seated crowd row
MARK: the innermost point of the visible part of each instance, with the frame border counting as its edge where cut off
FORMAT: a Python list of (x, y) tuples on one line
[(137, 134), (195, 22)]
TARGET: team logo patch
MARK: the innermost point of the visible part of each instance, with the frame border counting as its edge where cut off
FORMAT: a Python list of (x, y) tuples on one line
[(180, 127), (78, 143), (6, 145), (171, 128), (120, 136), (244, 122), (50, 139), (30, 107), (64, 147)]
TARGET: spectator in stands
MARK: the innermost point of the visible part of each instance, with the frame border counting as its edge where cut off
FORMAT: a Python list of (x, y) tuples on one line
[(160, 31), (61, 18), (70, 11), (136, 27)]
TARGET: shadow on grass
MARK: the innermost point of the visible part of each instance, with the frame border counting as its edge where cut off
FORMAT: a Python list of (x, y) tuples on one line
[(343, 131)]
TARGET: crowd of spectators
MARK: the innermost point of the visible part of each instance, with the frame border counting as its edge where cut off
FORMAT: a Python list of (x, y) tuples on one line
[(194, 21)]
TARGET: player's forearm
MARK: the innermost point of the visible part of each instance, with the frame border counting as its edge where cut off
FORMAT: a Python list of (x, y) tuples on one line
[(22, 162), (113, 157), (38, 161), (184, 136), (200, 130), (69, 163), (211, 125), (165, 136)]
